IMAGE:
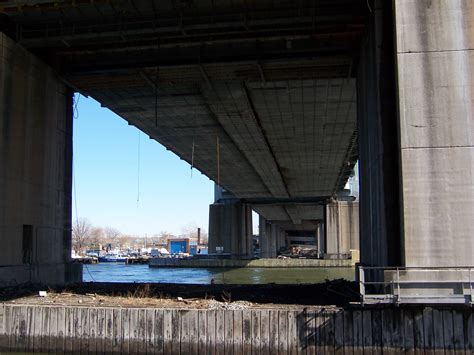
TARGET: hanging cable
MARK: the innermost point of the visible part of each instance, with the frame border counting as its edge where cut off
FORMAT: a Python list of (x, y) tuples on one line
[(157, 78), (87, 268), (75, 116), (75, 103), (192, 159), (74, 188), (138, 171), (156, 96), (74, 184), (368, 5), (218, 161), (193, 146)]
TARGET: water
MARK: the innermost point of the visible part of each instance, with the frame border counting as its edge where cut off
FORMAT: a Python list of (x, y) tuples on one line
[(117, 272)]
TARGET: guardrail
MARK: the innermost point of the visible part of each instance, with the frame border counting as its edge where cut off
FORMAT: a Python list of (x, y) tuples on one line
[(440, 285)]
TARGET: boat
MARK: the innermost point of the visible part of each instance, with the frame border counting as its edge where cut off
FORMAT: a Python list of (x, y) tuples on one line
[(113, 258)]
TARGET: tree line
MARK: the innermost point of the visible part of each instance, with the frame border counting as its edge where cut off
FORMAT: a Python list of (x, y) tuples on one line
[(86, 235)]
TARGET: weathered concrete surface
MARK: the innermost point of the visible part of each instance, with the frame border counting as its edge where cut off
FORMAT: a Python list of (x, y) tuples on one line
[(342, 227), (272, 238), (267, 239), (321, 238), (230, 226), (269, 330), (435, 42), (35, 171), (257, 263)]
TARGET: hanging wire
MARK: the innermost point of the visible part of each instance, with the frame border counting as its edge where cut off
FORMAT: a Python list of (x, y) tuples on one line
[(74, 185), (156, 95), (192, 159), (368, 5), (92, 277), (138, 171), (75, 103), (193, 146), (74, 188), (218, 161), (157, 78)]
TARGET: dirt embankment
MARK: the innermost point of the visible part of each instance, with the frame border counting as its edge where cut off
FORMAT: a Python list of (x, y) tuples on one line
[(337, 293)]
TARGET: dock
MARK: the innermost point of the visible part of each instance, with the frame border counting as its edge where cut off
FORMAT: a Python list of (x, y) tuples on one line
[(137, 261), (256, 263)]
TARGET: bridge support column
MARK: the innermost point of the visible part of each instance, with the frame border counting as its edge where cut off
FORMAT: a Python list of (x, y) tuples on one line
[(379, 197), (342, 227), (35, 171), (435, 61), (271, 238), (281, 238), (416, 124), (320, 239), (230, 227)]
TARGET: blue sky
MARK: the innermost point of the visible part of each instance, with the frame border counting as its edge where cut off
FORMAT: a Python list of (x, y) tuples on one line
[(106, 168)]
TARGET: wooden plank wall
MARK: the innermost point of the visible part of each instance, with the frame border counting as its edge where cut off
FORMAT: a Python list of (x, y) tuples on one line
[(29, 328)]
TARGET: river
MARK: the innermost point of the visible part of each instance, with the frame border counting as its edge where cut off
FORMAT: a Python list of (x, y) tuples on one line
[(117, 272)]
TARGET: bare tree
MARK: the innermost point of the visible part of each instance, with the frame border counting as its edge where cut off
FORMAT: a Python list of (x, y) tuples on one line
[(164, 236), (191, 231), (112, 235), (81, 230), (97, 235), (204, 237)]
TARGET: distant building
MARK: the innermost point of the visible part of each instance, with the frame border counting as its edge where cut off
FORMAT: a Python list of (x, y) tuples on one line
[(179, 245)]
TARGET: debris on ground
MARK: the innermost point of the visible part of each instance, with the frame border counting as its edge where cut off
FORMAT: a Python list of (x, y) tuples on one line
[(335, 292)]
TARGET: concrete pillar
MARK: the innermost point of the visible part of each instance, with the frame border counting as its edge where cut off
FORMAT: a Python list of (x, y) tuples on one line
[(342, 227), (435, 67), (320, 239), (281, 238), (266, 250), (268, 239), (230, 226), (35, 171)]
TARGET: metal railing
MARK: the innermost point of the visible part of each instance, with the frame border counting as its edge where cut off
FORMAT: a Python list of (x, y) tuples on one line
[(440, 285)]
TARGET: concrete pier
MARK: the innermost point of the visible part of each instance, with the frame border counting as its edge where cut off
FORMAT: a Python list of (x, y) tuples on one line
[(230, 227), (342, 227), (35, 171), (272, 238), (435, 58)]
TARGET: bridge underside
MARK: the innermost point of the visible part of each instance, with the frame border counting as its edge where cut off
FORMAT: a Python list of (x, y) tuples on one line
[(276, 101), (259, 97)]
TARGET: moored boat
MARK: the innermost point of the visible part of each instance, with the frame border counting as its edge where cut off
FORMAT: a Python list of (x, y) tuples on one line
[(113, 258)]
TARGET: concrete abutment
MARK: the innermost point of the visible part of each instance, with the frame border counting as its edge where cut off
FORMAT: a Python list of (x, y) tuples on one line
[(35, 171)]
